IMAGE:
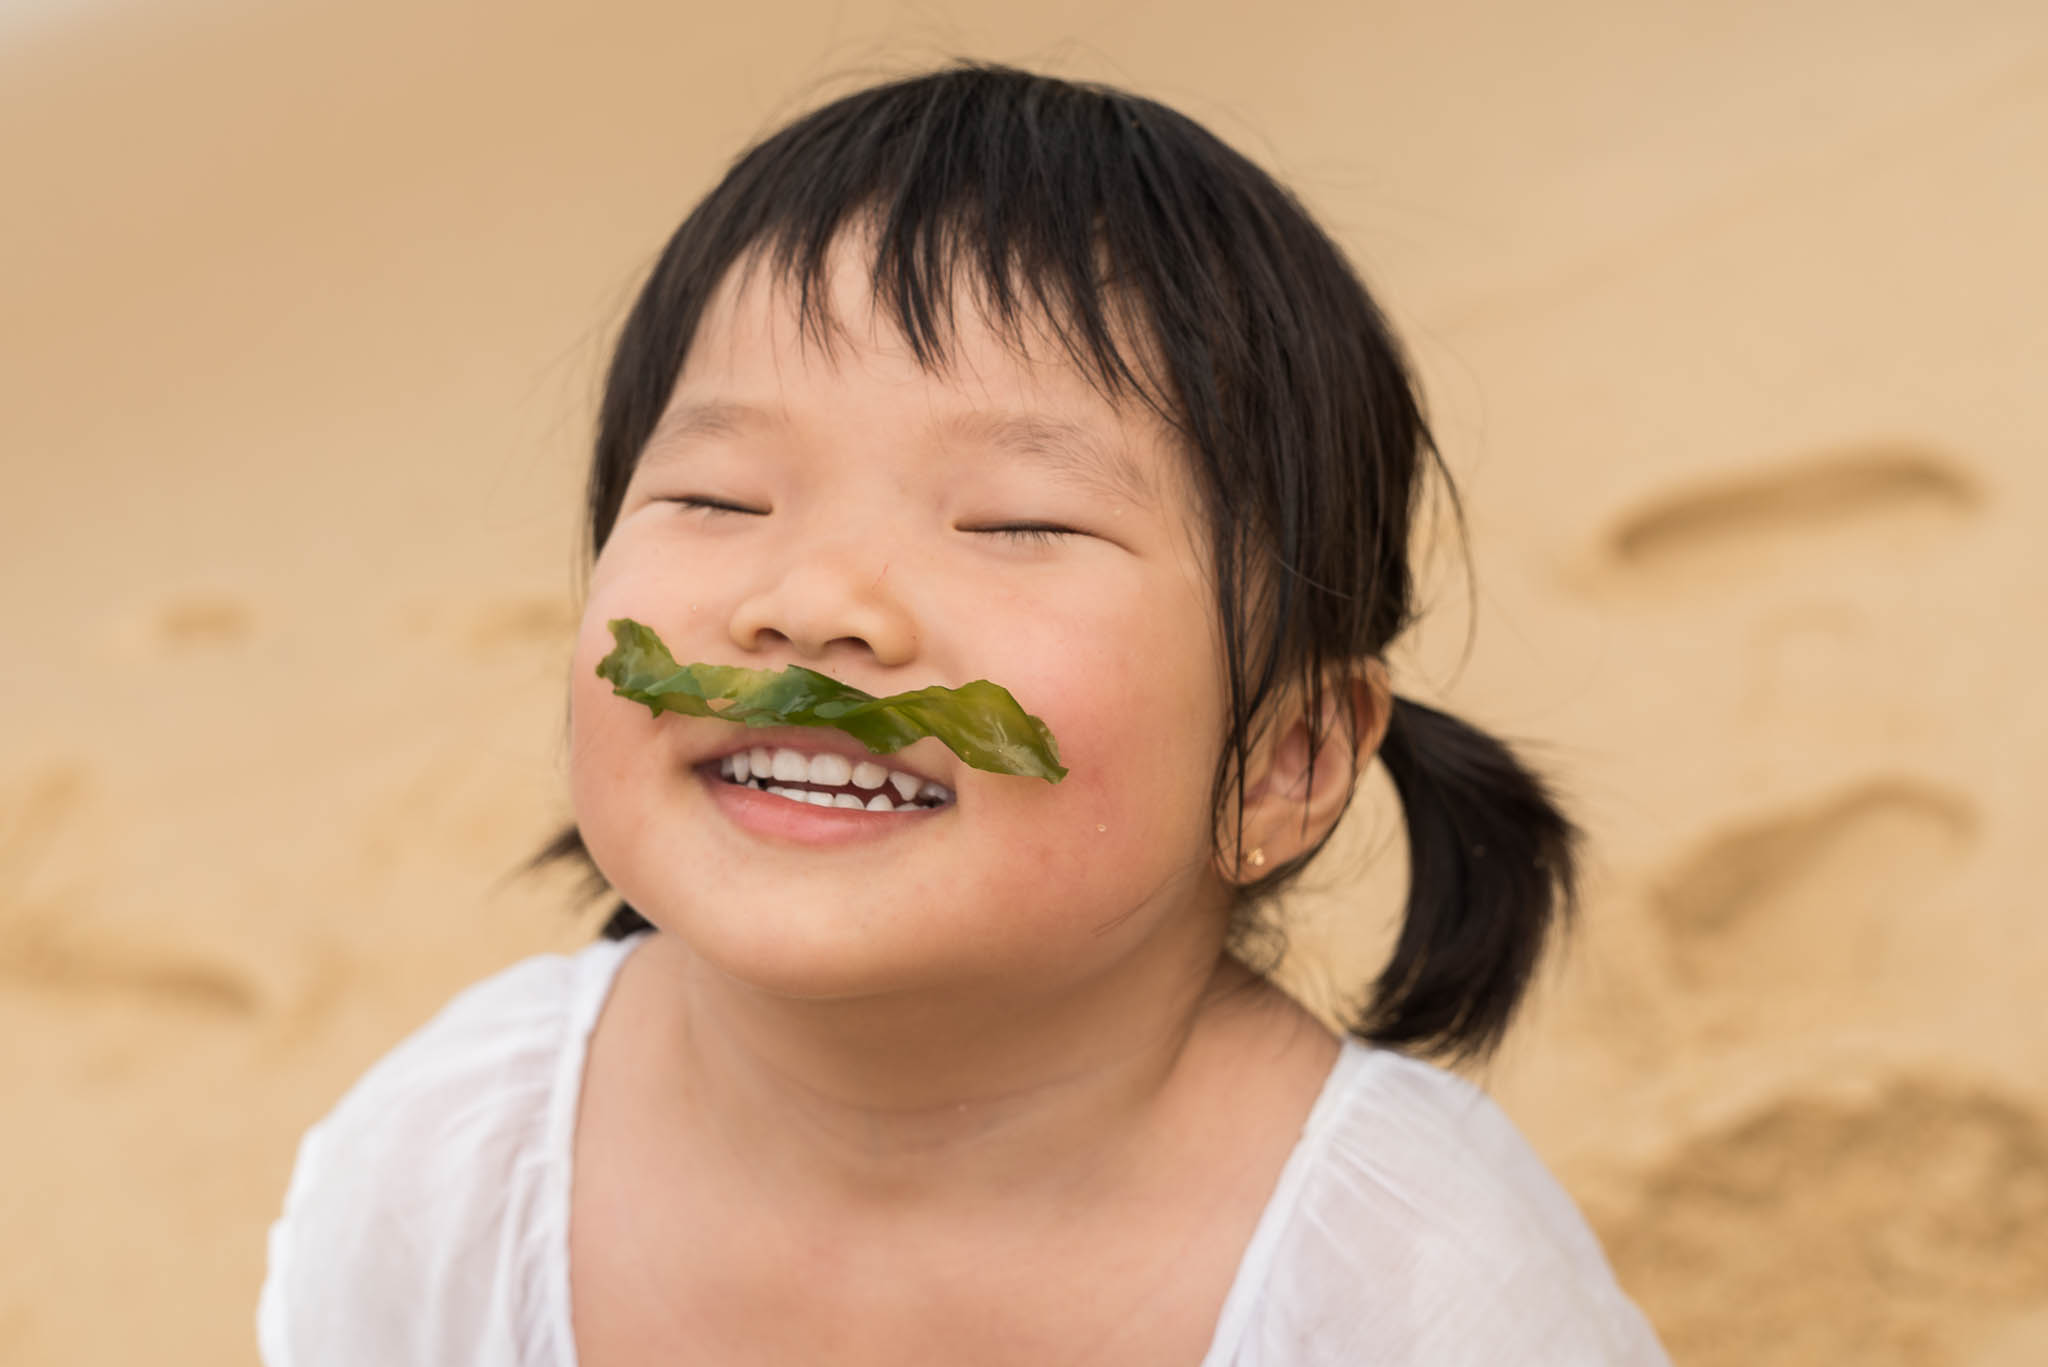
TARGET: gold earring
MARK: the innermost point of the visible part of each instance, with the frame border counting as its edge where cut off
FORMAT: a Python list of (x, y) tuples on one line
[(1257, 858)]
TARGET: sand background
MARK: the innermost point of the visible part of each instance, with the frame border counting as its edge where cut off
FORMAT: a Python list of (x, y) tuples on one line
[(1731, 316)]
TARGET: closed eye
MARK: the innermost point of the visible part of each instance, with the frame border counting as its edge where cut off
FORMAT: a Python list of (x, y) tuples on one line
[(1029, 533), (714, 505)]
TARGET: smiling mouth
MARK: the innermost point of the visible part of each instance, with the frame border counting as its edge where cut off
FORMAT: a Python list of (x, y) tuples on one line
[(829, 780)]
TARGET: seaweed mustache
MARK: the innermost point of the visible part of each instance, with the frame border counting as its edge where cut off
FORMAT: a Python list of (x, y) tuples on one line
[(979, 721)]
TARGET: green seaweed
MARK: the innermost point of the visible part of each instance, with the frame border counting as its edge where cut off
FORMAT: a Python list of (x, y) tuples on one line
[(980, 721)]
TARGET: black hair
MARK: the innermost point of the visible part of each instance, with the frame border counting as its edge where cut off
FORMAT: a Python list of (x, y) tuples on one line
[(1174, 272)]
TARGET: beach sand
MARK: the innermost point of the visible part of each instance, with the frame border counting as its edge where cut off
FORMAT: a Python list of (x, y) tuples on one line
[(1732, 327)]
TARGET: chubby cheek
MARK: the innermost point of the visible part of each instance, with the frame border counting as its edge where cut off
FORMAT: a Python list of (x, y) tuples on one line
[(1133, 811), (615, 750)]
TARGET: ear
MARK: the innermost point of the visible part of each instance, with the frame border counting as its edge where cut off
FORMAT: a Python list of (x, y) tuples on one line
[(1293, 796)]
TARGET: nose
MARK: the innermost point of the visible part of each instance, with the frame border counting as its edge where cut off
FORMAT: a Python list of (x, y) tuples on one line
[(824, 602)]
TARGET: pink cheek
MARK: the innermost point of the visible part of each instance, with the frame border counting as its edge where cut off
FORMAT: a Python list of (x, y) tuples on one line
[(610, 738)]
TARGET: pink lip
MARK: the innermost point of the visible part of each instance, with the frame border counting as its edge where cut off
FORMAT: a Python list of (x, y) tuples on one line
[(801, 823)]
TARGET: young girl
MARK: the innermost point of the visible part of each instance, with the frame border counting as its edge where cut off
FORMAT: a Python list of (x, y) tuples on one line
[(983, 375)]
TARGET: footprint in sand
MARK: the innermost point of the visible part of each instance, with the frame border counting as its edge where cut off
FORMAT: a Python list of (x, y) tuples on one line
[(1892, 1228), (1880, 499), (38, 955), (488, 626), (180, 623), (194, 621), (48, 943), (537, 620), (1804, 895)]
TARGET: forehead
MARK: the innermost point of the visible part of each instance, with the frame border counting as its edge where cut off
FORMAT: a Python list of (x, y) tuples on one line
[(771, 341)]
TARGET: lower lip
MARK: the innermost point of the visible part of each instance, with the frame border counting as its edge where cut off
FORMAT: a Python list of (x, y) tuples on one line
[(805, 823)]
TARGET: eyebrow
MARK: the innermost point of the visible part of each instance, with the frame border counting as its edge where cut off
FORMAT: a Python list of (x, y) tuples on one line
[(1070, 452), (708, 418)]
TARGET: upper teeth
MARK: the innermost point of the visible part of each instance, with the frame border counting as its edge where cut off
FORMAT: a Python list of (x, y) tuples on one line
[(783, 765)]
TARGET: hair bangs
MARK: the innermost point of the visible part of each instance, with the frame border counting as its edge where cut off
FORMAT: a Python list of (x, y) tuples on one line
[(1056, 211)]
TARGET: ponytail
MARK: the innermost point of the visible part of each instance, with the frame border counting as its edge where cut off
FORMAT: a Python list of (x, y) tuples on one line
[(1490, 859)]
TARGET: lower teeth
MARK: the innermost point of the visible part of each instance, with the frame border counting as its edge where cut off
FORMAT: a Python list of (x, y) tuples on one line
[(761, 785)]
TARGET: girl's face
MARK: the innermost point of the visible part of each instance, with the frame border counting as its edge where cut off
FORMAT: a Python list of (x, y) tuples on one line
[(894, 527)]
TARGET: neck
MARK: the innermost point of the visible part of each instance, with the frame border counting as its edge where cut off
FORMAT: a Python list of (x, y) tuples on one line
[(953, 1094)]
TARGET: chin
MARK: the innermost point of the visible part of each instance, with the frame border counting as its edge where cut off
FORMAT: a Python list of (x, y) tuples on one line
[(843, 957)]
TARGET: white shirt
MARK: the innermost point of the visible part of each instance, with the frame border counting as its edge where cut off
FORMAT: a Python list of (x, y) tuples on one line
[(427, 1220)]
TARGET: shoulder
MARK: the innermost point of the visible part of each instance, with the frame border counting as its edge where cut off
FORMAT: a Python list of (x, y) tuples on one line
[(417, 1226), (1416, 1224)]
